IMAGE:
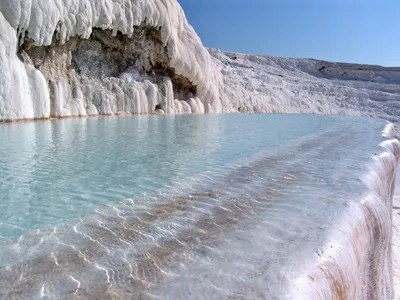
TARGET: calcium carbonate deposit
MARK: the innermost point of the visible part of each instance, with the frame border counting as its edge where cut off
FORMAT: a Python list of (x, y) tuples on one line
[(187, 206)]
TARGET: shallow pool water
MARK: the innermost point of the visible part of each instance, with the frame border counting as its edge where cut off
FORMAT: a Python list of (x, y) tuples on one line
[(173, 207)]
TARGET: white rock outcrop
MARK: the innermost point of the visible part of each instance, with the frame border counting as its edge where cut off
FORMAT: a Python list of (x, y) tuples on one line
[(54, 57)]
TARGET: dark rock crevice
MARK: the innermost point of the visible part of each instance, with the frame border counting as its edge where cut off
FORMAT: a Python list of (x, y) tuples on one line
[(104, 56)]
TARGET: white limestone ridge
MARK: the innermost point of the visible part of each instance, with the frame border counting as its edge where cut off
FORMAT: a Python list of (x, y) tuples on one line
[(63, 58), (356, 259), (260, 83)]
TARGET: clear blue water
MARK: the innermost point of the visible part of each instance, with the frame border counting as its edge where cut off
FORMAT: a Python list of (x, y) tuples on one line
[(146, 206), (52, 172)]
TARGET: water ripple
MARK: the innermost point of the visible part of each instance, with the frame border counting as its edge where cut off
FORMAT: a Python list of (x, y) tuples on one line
[(234, 229)]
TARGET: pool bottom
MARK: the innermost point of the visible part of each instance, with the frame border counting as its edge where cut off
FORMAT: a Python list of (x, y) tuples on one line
[(244, 231)]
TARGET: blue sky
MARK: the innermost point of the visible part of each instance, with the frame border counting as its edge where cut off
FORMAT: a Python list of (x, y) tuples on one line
[(363, 31)]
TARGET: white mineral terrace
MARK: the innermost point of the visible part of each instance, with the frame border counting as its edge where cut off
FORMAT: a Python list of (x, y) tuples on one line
[(176, 205)]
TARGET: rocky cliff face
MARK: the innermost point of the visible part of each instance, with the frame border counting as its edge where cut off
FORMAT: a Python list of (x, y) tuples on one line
[(78, 58), (108, 74)]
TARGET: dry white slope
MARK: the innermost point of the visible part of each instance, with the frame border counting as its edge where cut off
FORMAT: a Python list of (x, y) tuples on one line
[(257, 83)]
